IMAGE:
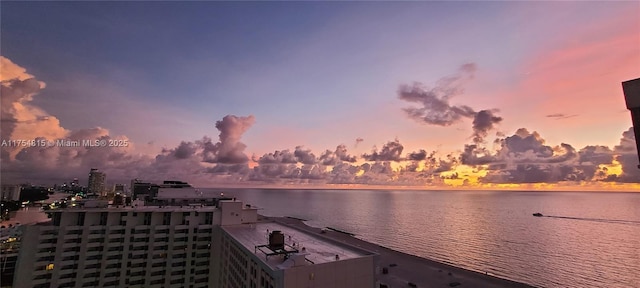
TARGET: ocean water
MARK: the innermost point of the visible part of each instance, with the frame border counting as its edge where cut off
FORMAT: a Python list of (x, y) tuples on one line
[(589, 240)]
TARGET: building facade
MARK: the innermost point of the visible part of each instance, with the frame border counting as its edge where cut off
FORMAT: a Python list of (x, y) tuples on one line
[(97, 181), (10, 192), (182, 246), (119, 247)]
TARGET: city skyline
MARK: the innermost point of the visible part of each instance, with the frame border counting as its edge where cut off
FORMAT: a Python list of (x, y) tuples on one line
[(349, 95)]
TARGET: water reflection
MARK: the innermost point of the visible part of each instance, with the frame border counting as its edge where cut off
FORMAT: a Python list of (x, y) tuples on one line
[(484, 230)]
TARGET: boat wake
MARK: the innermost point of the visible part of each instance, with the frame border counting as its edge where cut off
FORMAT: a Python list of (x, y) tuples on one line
[(615, 221)]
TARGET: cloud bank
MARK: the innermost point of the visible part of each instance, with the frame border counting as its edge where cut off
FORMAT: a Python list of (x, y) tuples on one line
[(523, 157)]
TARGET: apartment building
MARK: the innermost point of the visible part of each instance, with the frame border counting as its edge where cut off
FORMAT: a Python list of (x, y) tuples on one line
[(119, 247), (272, 255), (183, 246)]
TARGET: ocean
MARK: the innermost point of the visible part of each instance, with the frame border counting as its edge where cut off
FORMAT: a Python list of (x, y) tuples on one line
[(585, 239)]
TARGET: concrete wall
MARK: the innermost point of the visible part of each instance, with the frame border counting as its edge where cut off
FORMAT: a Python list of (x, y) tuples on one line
[(249, 215), (230, 212), (350, 273), (26, 257)]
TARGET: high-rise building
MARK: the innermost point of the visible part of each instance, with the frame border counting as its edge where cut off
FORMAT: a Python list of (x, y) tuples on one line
[(191, 245), (10, 192), (631, 90), (119, 247), (97, 182), (119, 189)]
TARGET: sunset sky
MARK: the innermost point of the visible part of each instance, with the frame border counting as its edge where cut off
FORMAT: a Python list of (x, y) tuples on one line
[(497, 94)]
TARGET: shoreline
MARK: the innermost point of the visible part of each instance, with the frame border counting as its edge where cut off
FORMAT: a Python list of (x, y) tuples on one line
[(405, 268)]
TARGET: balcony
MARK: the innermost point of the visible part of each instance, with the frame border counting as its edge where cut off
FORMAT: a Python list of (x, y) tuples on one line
[(95, 236), (139, 252), (157, 277), (46, 245), (109, 279), (48, 236), (40, 272), (94, 244), (91, 270), (70, 253), (40, 281), (138, 261), (158, 260), (71, 236), (96, 227), (92, 261), (115, 235), (72, 228), (112, 261), (67, 262), (49, 252), (94, 253), (113, 253), (179, 227)]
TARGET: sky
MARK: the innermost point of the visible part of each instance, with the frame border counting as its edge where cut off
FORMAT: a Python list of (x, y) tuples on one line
[(462, 95)]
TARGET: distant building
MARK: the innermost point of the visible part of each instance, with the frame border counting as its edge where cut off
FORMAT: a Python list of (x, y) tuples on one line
[(97, 182), (75, 182), (119, 189), (10, 192), (143, 190)]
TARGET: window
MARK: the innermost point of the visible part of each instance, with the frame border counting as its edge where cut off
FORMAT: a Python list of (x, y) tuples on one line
[(92, 275), (56, 219), (166, 218), (81, 219), (49, 267), (147, 218), (103, 218), (208, 218)]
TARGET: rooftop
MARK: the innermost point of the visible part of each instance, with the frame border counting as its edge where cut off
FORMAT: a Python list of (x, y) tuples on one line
[(317, 249), (184, 208), (186, 193)]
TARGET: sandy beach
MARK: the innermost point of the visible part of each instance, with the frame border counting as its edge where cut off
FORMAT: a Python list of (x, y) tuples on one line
[(404, 269)]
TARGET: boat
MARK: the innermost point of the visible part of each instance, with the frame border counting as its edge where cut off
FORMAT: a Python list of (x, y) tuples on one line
[(538, 214)]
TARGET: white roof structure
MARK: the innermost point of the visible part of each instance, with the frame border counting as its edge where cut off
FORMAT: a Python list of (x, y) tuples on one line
[(315, 248)]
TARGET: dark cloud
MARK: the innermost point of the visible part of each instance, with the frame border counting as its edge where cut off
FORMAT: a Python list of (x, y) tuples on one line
[(434, 102), (185, 150), (305, 156), (474, 155), (559, 116), (627, 156), (390, 152), (523, 141), (417, 156), (483, 122), (336, 157), (434, 107), (285, 157)]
